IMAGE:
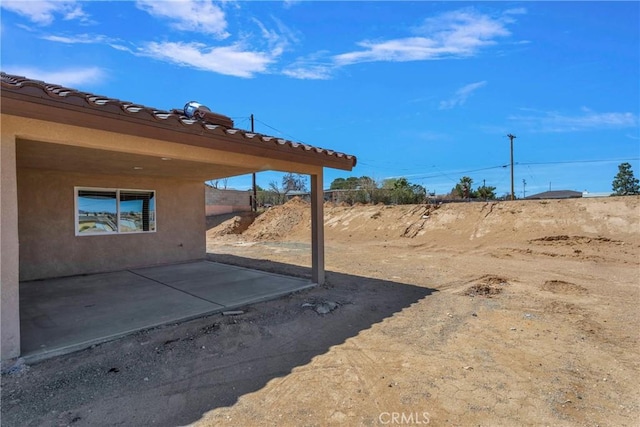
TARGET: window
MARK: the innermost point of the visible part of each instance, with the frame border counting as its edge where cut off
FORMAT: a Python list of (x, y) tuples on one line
[(112, 211)]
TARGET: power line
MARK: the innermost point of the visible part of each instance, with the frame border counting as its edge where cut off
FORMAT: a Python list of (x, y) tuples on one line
[(568, 162), (457, 171), (445, 174), (293, 138)]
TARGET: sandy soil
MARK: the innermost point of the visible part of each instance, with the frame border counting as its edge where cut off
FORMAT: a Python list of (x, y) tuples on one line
[(500, 314)]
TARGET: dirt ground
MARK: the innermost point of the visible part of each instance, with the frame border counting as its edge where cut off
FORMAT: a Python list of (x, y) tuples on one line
[(491, 314)]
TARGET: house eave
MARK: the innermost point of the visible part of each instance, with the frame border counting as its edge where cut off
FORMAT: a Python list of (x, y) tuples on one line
[(37, 100)]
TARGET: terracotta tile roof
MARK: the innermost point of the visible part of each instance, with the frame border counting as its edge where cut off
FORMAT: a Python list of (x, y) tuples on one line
[(212, 123)]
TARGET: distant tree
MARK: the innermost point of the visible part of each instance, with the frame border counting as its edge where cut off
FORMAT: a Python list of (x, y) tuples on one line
[(368, 189), (277, 192), (351, 183), (294, 182), (270, 195), (401, 191), (486, 192), (463, 188), (338, 184), (366, 182), (356, 189), (625, 183), (275, 195)]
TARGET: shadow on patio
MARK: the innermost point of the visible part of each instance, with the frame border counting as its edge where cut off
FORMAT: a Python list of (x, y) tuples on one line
[(175, 375)]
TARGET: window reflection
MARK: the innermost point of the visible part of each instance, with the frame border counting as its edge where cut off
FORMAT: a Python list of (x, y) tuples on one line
[(137, 211), (97, 212), (102, 211)]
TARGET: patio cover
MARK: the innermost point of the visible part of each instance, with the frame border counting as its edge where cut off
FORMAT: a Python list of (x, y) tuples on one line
[(53, 127)]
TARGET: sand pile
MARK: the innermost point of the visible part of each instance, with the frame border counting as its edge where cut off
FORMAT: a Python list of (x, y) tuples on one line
[(282, 222), (235, 225), (462, 222)]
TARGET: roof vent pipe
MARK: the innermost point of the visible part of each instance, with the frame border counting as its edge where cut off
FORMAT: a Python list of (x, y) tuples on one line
[(197, 111), (192, 107)]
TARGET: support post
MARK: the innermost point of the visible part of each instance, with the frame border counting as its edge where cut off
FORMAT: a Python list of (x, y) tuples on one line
[(317, 228), (9, 251), (254, 199)]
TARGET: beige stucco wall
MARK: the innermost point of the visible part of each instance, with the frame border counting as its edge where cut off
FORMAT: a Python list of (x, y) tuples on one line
[(50, 248), (219, 201), (9, 289)]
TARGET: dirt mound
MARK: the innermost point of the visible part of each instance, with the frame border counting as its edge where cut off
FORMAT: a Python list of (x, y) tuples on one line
[(234, 225), (562, 287), (282, 222), (611, 220), (487, 286), (483, 289)]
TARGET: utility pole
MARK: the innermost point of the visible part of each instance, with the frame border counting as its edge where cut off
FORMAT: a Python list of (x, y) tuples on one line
[(254, 201), (511, 138), (524, 188)]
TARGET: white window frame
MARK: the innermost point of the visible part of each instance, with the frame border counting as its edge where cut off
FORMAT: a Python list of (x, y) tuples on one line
[(76, 190)]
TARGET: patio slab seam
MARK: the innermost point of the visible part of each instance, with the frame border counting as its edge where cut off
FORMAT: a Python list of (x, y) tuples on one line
[(173, 287)]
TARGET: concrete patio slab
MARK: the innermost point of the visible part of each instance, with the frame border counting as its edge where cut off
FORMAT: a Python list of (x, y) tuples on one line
[(226, 285), (62, 315)]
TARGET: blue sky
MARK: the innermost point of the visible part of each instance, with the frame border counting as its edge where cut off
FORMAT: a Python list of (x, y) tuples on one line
[(425, 90)]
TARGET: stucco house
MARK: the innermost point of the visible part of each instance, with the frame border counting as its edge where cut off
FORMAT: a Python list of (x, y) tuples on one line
[(94, 184)]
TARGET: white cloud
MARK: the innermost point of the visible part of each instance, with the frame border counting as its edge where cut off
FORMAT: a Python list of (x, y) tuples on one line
[(455, 34), (460, 33), (71, 77), (309, 72), (553, 121), (310, 67), (201, 16), (43, 12), (89, 39), (77, 39), (279, 40), (234, 59), (231, 60), (461, 95), (514, 11)]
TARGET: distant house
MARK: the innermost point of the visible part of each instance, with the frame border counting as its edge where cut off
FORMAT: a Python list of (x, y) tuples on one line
[(558, 194)]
